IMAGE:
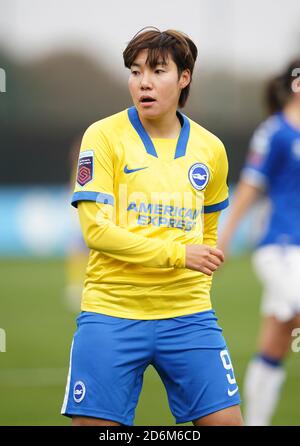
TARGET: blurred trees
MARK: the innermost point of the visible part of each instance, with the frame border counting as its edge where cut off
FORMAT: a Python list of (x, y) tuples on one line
[(50, 102)]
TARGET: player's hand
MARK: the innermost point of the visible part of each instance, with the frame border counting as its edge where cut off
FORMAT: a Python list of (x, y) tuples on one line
[(203, 258)]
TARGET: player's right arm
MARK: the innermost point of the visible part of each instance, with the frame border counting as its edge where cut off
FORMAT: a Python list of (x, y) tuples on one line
[(102, 234), (94, 197)]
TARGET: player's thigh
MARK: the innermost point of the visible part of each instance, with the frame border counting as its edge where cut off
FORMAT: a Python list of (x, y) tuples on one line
[(108, 359), (231, 416), (194, 364)]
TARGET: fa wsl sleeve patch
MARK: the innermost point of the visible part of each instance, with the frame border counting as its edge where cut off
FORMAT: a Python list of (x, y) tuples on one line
[(85, 170)]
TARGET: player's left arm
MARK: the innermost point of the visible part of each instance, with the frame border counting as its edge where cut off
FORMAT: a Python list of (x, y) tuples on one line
[(216, 192), (215, 196), (210, 228)]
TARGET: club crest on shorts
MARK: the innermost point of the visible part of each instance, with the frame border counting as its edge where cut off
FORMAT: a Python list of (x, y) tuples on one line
[(199, 175), (79, 391), (85, 167)]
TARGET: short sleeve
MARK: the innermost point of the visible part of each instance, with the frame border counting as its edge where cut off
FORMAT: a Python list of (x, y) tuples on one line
[(216, 193), (264, 156), (94, 179)]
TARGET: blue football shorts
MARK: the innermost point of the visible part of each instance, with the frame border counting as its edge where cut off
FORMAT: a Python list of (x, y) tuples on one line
[(109, 356)]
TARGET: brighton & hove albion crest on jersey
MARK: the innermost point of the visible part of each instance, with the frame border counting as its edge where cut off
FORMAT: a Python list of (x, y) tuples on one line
[(199, 176), (85, 167)]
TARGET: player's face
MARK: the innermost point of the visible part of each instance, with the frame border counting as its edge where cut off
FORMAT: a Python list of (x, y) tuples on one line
[(155, 92)]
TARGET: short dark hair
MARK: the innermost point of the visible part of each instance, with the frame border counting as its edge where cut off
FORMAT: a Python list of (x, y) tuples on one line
[(160, 44)]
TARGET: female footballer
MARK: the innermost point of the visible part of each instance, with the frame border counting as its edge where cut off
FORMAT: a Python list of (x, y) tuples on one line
[(151, 184)]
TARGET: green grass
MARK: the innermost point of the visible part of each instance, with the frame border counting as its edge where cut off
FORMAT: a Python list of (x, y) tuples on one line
[(39, 329)]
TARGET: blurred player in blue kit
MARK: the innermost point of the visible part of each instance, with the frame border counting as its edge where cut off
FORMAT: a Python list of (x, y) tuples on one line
[(273, 168), (150, 187)]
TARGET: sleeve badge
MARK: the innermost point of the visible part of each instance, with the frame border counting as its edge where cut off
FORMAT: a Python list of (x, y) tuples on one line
[(85, 170)]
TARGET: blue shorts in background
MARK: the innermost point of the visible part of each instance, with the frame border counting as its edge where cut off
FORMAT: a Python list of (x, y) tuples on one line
[(109, 356)]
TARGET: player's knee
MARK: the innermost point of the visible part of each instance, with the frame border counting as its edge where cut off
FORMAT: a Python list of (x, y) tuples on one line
[(88, 421), (235, 420), (230, 416)]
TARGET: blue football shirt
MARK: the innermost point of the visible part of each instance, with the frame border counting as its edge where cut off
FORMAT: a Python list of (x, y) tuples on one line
[(274, 164)]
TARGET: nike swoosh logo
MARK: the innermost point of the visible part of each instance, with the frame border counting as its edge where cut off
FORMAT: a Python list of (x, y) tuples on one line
[(232, 392), (126, 170)]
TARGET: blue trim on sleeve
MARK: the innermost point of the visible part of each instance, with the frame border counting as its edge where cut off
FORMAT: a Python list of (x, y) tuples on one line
[(99, 197), (216, 207), (149, 146)]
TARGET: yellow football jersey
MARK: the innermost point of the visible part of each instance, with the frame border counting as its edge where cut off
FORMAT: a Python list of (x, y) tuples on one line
[(140, 201)]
